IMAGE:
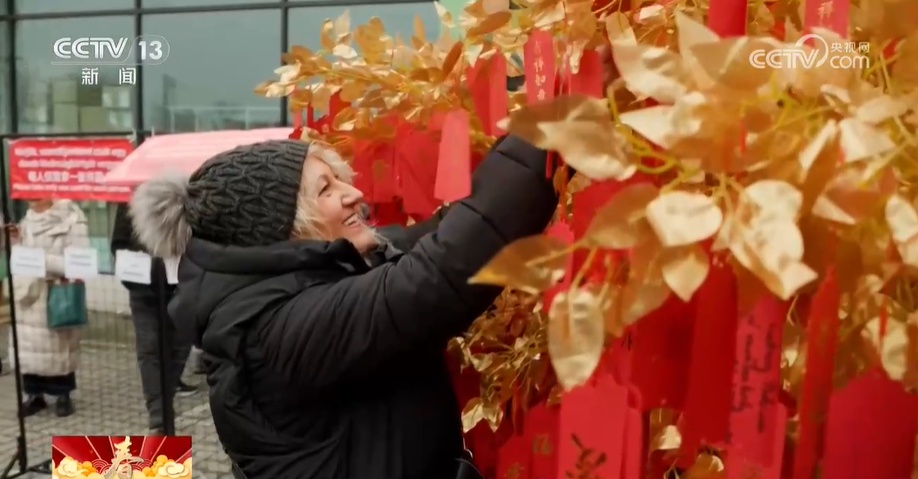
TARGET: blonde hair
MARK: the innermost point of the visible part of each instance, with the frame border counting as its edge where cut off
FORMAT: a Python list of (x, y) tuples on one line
[(305, 223)]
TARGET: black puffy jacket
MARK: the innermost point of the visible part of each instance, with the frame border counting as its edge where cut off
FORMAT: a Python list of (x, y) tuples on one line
[(322, 367)]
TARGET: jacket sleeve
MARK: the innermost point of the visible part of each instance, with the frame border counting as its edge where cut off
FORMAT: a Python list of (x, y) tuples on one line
[(405, 237), (344, 331)]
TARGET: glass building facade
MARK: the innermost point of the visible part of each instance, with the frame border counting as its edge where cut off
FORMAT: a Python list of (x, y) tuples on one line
[(219, 50)]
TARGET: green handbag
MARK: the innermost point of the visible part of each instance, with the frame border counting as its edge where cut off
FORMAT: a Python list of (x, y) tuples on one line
[(67, 305)]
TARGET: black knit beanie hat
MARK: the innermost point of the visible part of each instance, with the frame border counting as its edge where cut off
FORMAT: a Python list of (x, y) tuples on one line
[(246, 196)]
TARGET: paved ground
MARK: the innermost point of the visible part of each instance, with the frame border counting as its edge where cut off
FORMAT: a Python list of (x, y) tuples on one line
[(108, 402)]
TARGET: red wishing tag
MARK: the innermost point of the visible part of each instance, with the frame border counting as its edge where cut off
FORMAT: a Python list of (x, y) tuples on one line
[(487, 82), (541, 431), (416, 172), (727, 18), (632, 463), (539, 66), (822, 342), (588, 79), (829, 14), (454, 164), (710, 378), (662, 351), (871, 430), (592, 429), (756, 387), (513, 458)]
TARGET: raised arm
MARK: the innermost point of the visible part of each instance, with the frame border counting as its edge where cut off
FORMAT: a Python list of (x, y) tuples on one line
[(346, 330)]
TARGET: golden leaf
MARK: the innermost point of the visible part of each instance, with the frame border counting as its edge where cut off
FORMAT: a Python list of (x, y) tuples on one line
[(325, 37), (685, 269), (620, 223), (860, 141), (494, 6), (651, 72), (667, 439), (452, 58), (580, 129), (681, 218), (476, 411), (532, 264), (491, 23), (618, 29), (646, 289), (576, 334), (902, 219)]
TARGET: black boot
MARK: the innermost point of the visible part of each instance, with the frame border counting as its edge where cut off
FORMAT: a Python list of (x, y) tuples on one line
[(64, 406), (33, 405)]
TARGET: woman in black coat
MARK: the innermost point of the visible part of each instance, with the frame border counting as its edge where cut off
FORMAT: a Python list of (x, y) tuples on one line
[(323, 338)]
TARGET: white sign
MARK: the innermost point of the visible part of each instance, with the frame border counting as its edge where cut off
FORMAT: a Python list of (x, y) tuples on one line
[(172, 270), (80, 263), (133, 266), (28, 262), (150, 49), (842, 56)]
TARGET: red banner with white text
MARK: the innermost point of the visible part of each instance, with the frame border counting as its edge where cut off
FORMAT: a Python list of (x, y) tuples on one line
[(70, 168)]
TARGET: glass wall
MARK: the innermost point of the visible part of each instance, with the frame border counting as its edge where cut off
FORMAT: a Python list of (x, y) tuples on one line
[(52, 6), (55, 98), (207, 84)]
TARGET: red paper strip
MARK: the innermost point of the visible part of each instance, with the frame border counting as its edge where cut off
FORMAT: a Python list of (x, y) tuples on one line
[(592, 426), (662, 352), (513, 458), (633, 453), (487, 81), (539, 66), (710, 377), (871, 430), (829, 14), (541, 432), (415, 173), (589, 77), (822, 342), (727, 18), (756, 384), (454, 164)]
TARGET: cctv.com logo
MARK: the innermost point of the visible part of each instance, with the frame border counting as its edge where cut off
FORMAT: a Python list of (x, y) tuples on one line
[(798, 56)]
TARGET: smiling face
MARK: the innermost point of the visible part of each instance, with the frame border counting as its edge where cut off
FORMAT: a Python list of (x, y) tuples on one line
[(329, 207)]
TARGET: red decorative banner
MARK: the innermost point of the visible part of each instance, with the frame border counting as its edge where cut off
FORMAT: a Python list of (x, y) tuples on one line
[(69, 169), (121, 456)]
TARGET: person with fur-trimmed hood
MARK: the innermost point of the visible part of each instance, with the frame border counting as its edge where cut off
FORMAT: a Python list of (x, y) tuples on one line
[(323, 338)]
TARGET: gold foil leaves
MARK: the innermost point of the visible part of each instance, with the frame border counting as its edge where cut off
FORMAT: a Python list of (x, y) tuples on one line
[(576, 335), (580, 129)]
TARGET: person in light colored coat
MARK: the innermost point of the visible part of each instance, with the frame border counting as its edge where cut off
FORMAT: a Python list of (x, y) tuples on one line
[(48, 357)]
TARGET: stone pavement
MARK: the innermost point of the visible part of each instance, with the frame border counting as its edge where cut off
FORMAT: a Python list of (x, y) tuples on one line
[(108, 401)]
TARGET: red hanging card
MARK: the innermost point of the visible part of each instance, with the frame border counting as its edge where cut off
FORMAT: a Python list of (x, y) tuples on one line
[(633, 453), (871, 430), (454, 163), (416, 171), (829, 14), (539, 66), (513, 458), (727, 18), (756, 384), (593, 425), (710, 376), (487, 82), (541, 432), (390, 213), (822, 342), (662, 351), (588, 79)]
